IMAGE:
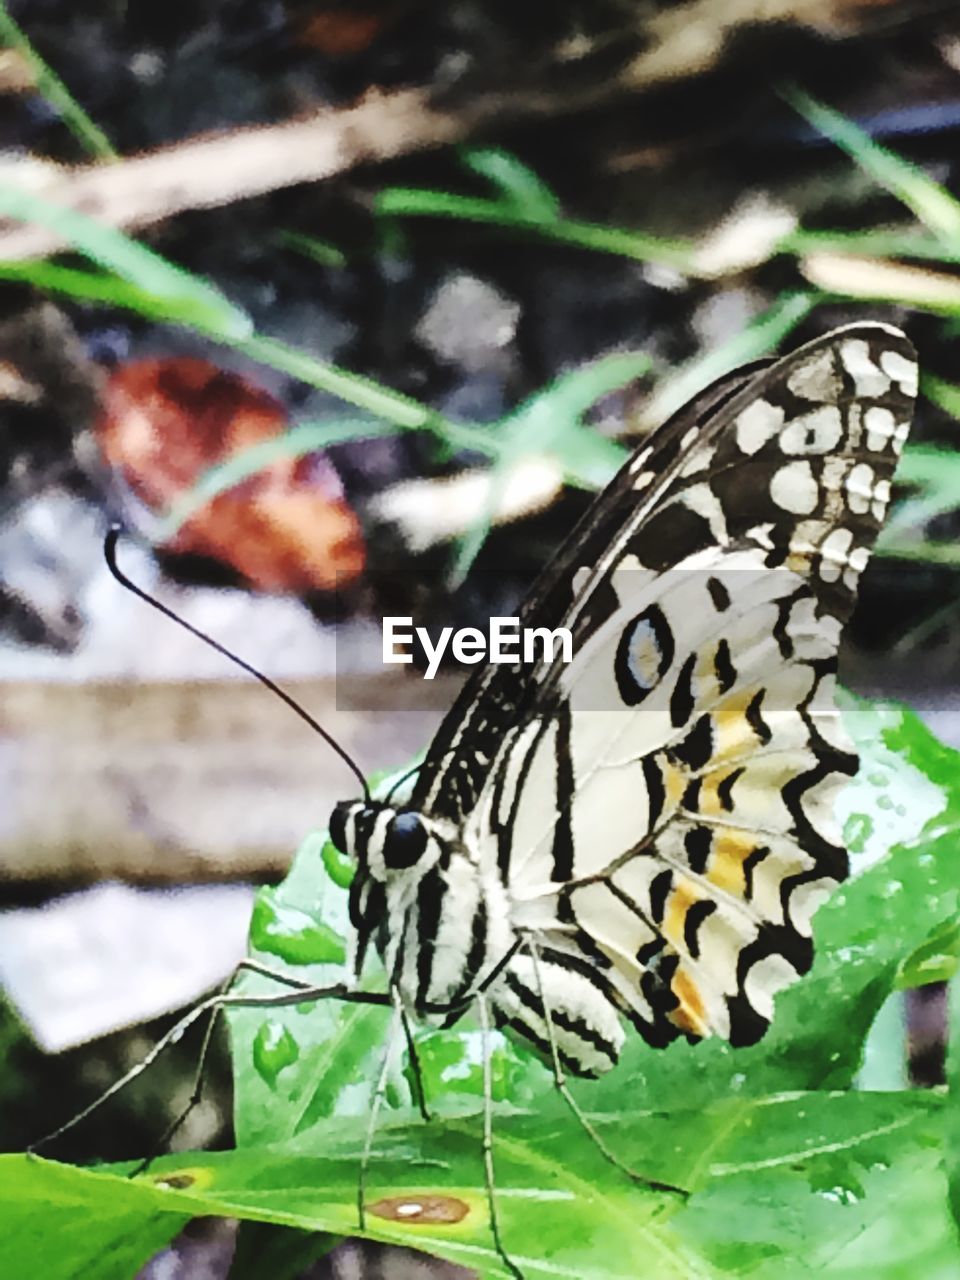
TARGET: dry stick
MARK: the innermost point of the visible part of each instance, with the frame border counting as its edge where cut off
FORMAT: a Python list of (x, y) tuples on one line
[(217, 169), (204, 172)]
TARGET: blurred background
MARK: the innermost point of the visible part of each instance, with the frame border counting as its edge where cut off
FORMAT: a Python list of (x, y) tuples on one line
[(345, 310)]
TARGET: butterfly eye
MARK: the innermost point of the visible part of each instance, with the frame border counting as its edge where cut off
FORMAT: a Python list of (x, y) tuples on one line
[(405, 842)]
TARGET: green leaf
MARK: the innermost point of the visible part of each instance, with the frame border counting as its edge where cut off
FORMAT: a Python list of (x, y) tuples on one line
[(935, 960), (849, 1184), (62, 1222), (952, 1135)]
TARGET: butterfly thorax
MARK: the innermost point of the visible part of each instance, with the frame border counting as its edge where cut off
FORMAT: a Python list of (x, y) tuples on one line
[(439, 919)]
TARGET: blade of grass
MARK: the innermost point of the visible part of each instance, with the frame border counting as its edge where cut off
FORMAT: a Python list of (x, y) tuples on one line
[(758, 339), (303, 439), (414, 202), (872, 243), (517, 184), (328, 255), (93, 286), (186, 297), (931, 203), (90, 136)]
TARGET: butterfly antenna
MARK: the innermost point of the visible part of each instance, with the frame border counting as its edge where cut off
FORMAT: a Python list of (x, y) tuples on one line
[(402, 779), (110, 555)]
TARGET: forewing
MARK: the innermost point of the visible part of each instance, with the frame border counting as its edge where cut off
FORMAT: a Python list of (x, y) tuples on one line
[(664, 806)]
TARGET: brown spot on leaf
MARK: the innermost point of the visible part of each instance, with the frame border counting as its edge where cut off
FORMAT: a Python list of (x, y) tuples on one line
[(175, 1181), (432, 1208)]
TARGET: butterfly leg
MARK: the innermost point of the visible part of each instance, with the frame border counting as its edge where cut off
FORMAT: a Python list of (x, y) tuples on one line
[(196, 1093), (212, 1006), (560, 1081), (484, 1016), (421, 1097), (396, 1022)]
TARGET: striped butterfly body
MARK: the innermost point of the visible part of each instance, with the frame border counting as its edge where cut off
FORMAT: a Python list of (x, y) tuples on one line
[(645, 833)]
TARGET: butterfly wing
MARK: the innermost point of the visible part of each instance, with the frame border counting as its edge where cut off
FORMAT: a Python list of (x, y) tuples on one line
[(661, 809)]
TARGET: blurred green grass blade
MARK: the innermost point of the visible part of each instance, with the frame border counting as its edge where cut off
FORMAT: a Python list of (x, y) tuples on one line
[(361, 392), (186, 297), (92, 286), (328, 255), (943, 393), (572, 393), (934, 475), (933, 205), (417, 202), (515, 182), (872, 243), (305, 438), (49, 85), (551, 422), (761, 336)]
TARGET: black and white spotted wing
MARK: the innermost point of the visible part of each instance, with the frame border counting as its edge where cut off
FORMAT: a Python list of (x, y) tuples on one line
[(648, 831)]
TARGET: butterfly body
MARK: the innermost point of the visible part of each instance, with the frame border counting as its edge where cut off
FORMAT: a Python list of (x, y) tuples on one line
[(646, 833)]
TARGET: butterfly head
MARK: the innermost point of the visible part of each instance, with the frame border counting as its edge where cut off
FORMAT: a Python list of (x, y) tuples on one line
[(384, 841), (393, 849)]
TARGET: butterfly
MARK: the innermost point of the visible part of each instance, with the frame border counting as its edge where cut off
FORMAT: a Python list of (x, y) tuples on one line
[(644, 835)]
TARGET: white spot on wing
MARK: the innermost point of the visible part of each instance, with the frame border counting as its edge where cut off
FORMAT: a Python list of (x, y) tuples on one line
[(834, 551), (816, 379), (765, 979), (856, 563), (881, 496), (806, 899), (860, 490), (903, 371), (868, 379), (757, 424), (794, 488), (811, 433), (880, 425)]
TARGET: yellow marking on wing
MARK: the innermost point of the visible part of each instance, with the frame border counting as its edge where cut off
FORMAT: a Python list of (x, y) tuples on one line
[(691, 1015), (731, 848), (733, 734), (682, 898), (674, 785)]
